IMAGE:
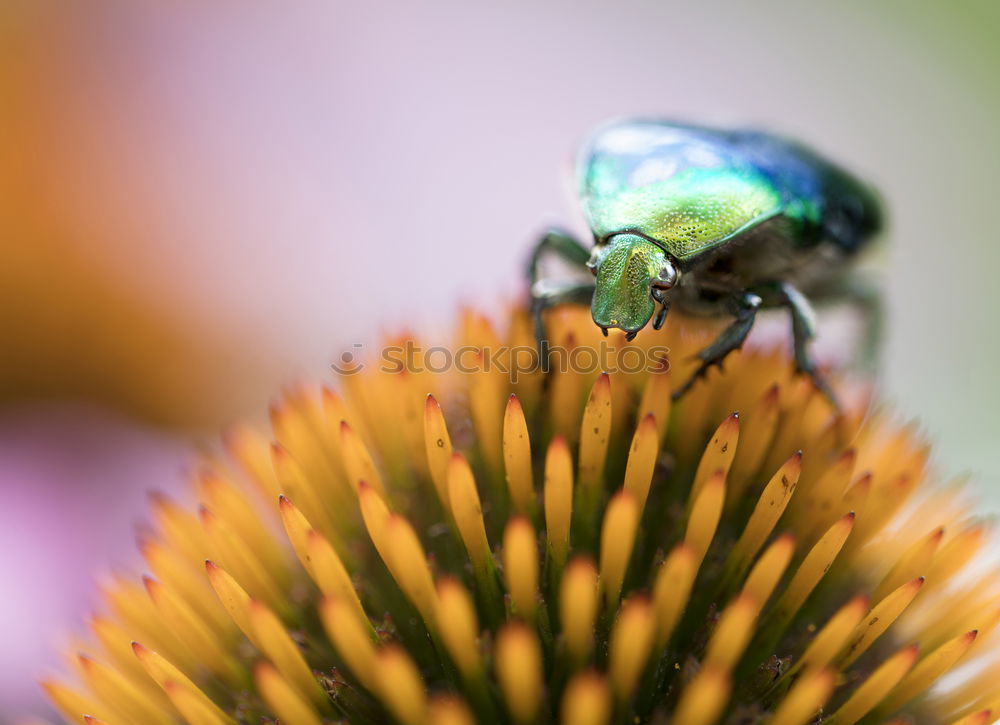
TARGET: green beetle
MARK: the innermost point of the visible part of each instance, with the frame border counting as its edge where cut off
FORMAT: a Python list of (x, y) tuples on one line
[(711, 222)]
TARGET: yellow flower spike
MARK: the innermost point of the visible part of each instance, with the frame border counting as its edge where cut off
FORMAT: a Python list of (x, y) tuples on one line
[(375, 515), (769, 508), (409, 394), (188, 627), (459, 626), (518, 661), (671, 590), (825, 452), (284, 699), (879, 619), (642, 460), (520, 563), (565, 397), (976, 692), (876, 687), (70, 703), (884, 501), (595, 433), (698, 413), (558, 495), (587, 699), (299, 428), (656, 400), (131, 604), (806, 697), (185, 578), (856, 497), (401, 686), (226, 501), (358, 461), (578, 605), (974, 605), (517, 458), (232, 552), (297, 529), (833, 637), (913, 563), (164, 673), (352, 639), (704, 698), (621, 521), (296, 485), (234, 599), (249, 450), (410, 569), (487, 390), (333, 409), (987, 620), (193, 708), (718, 455), (810, 571), (91, 720), (117, 644), (758, 430), (818, 504), (281, 650), (705, 512), (630, 645), (468, 513), (796, 396), (437, 443), (449, 710), (983, 717), (955, 554), (767, 572), (732, 633), (289, 420), (125, 697), (330, 574), (928, 670), (181, 530)]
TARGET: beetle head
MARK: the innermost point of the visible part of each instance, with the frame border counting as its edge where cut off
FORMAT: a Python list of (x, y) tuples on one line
[(632, 275)]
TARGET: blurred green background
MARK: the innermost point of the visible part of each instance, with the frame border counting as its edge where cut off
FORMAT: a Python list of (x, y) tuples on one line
[(198, 202)]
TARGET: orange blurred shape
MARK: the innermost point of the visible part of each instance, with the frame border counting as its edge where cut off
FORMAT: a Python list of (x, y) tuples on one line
[(74, 323)]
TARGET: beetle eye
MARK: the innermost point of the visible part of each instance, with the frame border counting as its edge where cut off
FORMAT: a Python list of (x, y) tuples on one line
[(667, 277), (592, 262)]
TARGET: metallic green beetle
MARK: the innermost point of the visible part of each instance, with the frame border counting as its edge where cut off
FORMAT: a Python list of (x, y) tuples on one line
[(710, 222)]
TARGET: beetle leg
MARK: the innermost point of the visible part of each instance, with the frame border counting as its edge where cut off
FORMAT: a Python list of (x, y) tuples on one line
[(545, 294), (732, 338), (863, 293), (803, 330), (561, 244)]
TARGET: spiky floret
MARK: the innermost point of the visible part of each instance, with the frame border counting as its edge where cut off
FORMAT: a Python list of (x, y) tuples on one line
[(456, 547)]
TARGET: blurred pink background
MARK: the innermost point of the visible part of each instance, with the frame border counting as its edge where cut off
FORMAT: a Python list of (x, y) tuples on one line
[(201, 202)]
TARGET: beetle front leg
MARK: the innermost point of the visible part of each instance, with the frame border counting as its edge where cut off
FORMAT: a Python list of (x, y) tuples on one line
[(545, 294), (560, 243), (803, 330), (745, 306)]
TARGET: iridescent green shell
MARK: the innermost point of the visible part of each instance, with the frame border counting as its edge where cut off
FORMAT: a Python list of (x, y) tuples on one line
[(688, 189)]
